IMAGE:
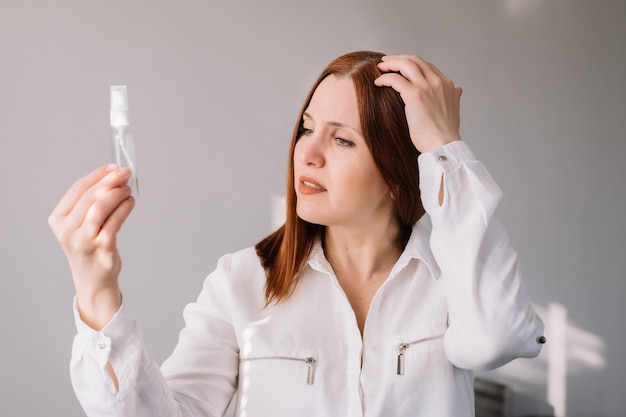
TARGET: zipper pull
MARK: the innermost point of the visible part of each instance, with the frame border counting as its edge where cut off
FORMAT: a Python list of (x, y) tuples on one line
[(310, 361), (400, 367)]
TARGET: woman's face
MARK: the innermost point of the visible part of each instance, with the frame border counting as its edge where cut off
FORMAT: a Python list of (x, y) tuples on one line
[(336, 180)]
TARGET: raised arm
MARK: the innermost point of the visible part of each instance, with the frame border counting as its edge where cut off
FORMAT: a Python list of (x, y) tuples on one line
[(86, 222), (490, 315)]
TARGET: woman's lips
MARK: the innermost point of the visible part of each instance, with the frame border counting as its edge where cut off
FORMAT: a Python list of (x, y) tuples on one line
[(309, 186)]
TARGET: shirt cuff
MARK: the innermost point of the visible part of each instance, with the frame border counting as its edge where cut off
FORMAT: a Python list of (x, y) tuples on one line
[(445, 159), (437, 165), (120, 327)]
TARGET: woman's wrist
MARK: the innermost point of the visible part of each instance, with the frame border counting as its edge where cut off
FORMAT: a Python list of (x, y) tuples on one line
[(97, 308)]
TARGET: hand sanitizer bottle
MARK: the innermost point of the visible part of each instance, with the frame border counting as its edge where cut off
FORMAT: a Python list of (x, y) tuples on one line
[(122, 141)]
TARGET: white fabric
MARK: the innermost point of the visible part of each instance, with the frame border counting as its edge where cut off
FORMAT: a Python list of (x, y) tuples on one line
[(455, 297)]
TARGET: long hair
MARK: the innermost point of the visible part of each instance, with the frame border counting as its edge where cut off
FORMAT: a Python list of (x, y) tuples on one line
[(284, 253)]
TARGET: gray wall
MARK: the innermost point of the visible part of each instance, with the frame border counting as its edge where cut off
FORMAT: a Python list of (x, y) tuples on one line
[(214, 89)]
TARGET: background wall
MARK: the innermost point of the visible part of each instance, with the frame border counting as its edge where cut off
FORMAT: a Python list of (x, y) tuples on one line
[(214, 91)]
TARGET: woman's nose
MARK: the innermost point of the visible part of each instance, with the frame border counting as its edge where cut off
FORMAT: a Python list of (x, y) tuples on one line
[(309, 150)]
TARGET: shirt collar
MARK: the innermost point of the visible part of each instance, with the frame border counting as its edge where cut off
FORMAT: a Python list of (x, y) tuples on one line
[(418, 247)]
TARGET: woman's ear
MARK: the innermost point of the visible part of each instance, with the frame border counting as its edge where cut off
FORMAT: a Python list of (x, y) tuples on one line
[(394, 192)]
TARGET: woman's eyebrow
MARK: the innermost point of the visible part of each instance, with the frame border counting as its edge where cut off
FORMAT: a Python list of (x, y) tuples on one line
[(334, 123)]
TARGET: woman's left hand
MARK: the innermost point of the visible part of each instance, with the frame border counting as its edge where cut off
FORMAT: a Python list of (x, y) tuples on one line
[(431, 100)]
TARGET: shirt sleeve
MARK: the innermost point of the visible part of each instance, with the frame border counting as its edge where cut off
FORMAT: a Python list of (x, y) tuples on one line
[(491, 318), (120, 344), (190, 383)]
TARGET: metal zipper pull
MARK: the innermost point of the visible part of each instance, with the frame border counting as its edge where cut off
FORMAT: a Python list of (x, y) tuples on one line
[(311, 363), (400, 367)]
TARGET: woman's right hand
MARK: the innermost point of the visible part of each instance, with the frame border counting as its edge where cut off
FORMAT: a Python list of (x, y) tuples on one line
[(431, 101), (86, 222)]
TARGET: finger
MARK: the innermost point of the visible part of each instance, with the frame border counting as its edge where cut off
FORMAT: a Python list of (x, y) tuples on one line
[(102, 208), (396, 56), (115, 179), (431, 72), (395, 81), (428, 71), (421, 63), (69, 199), (114, 222), (404, 57), (408, 68)]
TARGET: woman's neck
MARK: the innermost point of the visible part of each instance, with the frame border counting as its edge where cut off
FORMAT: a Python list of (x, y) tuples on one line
[(365, 252)]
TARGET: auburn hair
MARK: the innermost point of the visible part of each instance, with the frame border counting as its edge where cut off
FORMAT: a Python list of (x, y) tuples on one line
[(284, 253)]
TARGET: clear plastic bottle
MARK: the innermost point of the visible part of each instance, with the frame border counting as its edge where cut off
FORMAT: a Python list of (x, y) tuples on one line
[(123, 145)]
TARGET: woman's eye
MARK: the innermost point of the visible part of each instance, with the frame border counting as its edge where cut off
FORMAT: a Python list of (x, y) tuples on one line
[(344, 142), (304, 131)]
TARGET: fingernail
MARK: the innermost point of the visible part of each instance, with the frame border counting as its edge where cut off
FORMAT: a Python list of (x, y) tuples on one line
[(123, 172), (110, 167)]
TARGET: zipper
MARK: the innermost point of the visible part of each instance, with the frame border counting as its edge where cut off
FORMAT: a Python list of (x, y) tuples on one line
[(402, 347), (309, 361)]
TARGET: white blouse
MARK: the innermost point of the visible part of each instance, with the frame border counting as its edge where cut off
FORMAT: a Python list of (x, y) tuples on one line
[(453, 303)]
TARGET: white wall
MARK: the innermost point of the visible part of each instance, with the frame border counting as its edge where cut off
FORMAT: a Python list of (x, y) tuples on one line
[(214, 88)]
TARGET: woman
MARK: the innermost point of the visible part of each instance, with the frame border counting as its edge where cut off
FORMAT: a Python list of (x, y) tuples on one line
[(360, 305)]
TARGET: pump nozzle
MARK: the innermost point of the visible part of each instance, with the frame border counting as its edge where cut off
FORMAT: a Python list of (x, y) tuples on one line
[(119, 105)]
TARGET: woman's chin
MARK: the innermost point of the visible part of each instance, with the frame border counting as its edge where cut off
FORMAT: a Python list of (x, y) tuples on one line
[(312, 217)]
